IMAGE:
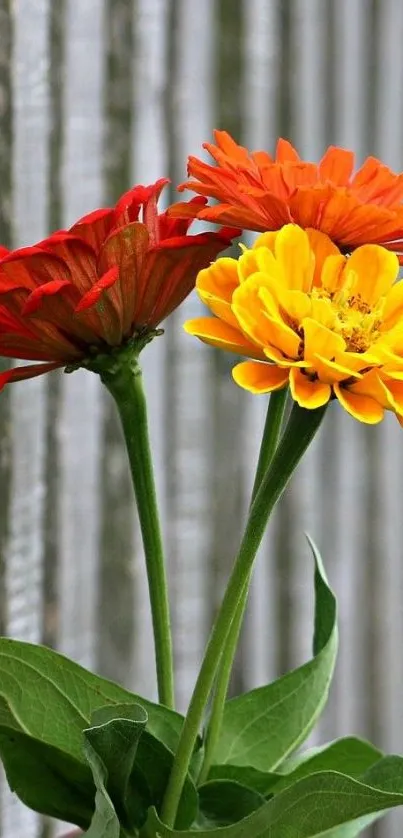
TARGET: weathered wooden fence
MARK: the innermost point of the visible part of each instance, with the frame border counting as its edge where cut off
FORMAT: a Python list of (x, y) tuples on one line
[(98, 94)]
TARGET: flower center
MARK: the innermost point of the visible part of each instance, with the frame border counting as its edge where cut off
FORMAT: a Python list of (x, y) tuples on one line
[(354, 319)]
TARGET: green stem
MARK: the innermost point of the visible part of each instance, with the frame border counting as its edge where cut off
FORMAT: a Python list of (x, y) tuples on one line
[(270, 438), (124, 381), (299, 432)]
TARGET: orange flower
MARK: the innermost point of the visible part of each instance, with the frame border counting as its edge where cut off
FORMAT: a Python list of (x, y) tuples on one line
[(107, 282), (256, 192), (327, 325)]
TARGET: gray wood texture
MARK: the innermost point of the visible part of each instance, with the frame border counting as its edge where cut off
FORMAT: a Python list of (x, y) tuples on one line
[(94, 96)]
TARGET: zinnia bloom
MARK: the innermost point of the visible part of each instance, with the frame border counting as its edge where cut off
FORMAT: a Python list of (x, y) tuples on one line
[(109, 280), (327, 325), (256, 192)]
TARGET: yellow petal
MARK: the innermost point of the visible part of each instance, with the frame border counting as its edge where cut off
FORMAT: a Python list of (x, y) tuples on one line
[(278, 358), (267, 239), (371, 270), (219, 334), (393, 309), (293, 251), (332, 371), (322, 247), (259, 260), (395, 389), (307, 393), (296, 304), (257, 311), (362, 408), (332, 273), (259, 378), (320, 341), (323, 312), (216, 285)]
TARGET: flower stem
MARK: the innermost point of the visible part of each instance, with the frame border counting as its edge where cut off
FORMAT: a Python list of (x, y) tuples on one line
[(124, 382), (270, 438), (300, 430)]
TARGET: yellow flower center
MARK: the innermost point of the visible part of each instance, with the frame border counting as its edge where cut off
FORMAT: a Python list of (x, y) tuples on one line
[(354, 319)]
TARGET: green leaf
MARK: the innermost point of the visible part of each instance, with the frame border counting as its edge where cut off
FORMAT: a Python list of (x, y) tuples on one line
[(105, 821), (149, 780), (223, 802), (52, 699), (46, 779), (138, 765), (313, 807), (114, 736), (262, 727), (349, 756)]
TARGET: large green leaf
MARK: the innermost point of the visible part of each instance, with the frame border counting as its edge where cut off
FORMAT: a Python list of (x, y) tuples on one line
[(137, 764), (105, 821), (46, 779), (52, 699), (114, 736), (350, 756), (262, 727), (313, 807), (223, 802)]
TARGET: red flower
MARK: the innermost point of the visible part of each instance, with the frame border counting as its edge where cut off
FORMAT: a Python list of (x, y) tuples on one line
[(108, 280), (256, 192)]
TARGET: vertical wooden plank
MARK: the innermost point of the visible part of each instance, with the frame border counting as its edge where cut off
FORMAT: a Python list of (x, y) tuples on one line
[(115, 608), (29, 171), (188, 365), (6, 239), (80, 414), (308, 92), (149, 162), (261, 52), (52, 383)]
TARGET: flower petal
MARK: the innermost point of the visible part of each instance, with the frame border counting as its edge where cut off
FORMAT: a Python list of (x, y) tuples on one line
[(216, 285), (360, 407), (306, 392), (372, 270), (293, 252), (259, 377), (219, 334)]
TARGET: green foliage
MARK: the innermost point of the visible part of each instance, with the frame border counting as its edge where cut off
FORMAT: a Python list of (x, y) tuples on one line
[(79, 748), (59, 698), (319, 805), (262, 727)]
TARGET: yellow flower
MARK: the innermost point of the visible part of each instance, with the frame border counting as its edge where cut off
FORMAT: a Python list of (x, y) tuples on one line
[(327, 325)]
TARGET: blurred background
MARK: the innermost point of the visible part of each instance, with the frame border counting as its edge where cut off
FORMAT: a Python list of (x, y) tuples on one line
[(94, 96)]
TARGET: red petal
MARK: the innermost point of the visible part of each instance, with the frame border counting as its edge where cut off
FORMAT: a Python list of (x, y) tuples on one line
[(94, 294), (126, 248), (22, 373), (34, 300), (94, 228)]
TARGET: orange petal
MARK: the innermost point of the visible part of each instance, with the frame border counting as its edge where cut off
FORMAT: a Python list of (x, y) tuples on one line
[(362, 408), (336, 166), (260, 378), (219, 334), (307, 393)]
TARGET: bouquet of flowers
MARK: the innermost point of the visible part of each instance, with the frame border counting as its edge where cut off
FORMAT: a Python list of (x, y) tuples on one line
[(315, 309)]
